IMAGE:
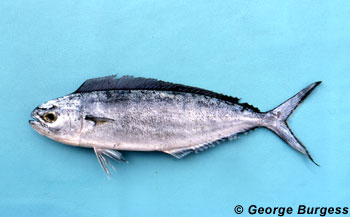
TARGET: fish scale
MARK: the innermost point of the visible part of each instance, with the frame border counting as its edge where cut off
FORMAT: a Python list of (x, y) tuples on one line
[(112, 114)]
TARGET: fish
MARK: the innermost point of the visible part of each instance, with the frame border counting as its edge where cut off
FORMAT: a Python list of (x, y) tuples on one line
[(113, 114)]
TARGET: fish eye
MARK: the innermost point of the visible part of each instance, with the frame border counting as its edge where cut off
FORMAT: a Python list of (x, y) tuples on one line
[(50, 117)]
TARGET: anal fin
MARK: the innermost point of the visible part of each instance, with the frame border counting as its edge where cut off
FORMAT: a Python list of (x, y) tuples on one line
[(180, 153)]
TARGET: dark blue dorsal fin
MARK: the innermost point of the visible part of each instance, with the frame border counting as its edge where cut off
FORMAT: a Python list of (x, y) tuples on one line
[(132, 83)]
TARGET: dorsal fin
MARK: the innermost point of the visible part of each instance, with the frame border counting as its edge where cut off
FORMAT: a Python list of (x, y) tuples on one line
[(132, 83)]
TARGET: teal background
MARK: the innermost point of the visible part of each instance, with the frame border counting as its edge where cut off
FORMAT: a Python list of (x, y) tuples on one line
[(261, 51)]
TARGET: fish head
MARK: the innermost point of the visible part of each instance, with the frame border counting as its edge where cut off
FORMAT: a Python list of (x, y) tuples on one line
[(58, 119)]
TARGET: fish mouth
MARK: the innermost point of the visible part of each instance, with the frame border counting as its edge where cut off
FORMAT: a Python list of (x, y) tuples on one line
[(36, 122), (35, 116), (33, 122)]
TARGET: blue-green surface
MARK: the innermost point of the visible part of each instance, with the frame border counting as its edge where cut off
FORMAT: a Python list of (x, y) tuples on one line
[(260, 51)]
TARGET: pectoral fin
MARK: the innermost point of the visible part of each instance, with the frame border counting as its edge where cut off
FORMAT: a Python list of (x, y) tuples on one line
[(103, 155), (98, 120)]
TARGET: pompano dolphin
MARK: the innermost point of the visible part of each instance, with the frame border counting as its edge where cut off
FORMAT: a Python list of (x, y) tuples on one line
[(112, 114)]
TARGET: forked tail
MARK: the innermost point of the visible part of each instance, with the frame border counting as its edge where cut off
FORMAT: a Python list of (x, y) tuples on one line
[(276, 120)]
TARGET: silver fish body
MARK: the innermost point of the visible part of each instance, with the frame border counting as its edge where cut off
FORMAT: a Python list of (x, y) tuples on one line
[(139, 114), (160, 121)]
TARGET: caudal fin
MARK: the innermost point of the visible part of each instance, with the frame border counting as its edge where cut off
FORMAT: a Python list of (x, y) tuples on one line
[(276, 120)]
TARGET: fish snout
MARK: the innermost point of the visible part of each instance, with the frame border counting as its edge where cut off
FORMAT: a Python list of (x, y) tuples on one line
[(37, 124), (36, 117)]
